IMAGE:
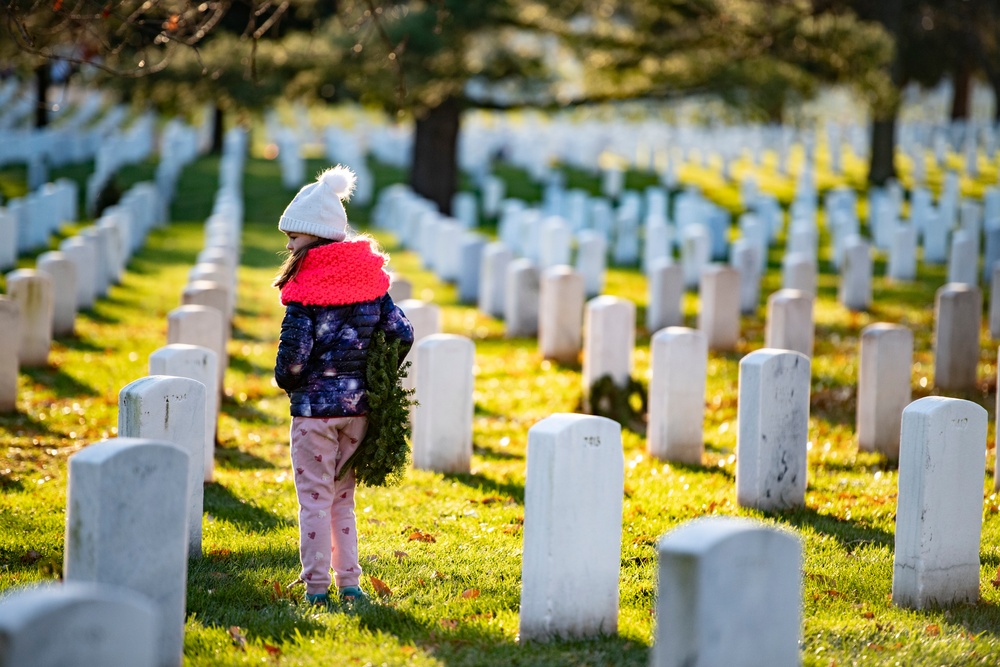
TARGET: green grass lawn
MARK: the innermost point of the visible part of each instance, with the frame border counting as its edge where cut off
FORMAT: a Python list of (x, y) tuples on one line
[(455, 594)]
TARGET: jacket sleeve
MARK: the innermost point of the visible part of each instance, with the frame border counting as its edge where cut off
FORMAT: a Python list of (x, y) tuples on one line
[(396, 327), (294, 346)]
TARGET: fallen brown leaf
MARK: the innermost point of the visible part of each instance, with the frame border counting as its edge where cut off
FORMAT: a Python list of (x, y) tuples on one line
[(449, 623), (933, 629), (470, 593), (400, 555), (380, 586), (421, 536), (272, 650)]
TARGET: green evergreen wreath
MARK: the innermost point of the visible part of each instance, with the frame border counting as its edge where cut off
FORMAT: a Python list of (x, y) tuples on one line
[(609, 400), (384, 453)]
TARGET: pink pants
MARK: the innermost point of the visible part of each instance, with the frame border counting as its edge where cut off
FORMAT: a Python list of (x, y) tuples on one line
[(328, 535)]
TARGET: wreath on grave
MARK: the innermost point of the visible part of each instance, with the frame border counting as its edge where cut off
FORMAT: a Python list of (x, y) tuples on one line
[(384, 453), (626, 405)]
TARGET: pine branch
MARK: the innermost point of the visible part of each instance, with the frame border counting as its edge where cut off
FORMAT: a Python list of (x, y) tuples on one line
[(383, 456)]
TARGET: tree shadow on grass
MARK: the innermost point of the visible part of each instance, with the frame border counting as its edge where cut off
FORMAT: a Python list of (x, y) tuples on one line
[(61, 384), (246, 412), (243, 365), (493, 454), (469, 639), (17, 422), (78, 344), (849, 534), (9, 483), (235, 458), (223, 504), (486, 485), (98, 316), (979, 618), (154, 261), (226, 589)]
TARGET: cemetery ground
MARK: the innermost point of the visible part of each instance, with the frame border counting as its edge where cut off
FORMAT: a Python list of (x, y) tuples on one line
[(442, 553)]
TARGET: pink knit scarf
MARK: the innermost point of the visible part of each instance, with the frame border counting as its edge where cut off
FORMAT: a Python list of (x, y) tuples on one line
[(336, 274)]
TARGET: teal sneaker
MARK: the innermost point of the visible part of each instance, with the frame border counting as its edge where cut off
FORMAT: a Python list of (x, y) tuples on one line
[(318, 599), (352, 594)]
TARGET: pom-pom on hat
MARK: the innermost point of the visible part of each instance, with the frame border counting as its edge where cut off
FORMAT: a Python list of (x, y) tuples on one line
[(318, 208)]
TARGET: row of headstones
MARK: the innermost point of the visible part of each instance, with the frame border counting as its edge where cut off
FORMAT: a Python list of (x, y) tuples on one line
[(534, 142), (156, 469), (73, 136), (198, 331), (179, 145), (516, 291), (603, 330), (479, 267), (602, 146), (42, 303), (132, 497), (126, 145), (929, 225), (26, 223)]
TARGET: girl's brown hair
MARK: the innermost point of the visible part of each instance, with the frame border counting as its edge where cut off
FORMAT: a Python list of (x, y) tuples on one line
[(294, 260)]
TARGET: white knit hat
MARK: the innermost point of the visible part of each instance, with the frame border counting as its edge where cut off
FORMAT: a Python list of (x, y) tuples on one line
[(317, 209)]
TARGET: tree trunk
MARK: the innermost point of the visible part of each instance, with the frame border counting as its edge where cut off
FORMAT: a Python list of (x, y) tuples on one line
[(961, 92), (43, 78), (218, 131), (882, 165), (434, 169)]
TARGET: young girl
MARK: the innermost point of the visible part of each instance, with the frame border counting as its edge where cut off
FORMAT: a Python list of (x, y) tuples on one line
[(335, 293)]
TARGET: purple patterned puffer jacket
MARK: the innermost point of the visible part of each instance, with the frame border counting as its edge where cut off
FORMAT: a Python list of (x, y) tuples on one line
[(323, 347)]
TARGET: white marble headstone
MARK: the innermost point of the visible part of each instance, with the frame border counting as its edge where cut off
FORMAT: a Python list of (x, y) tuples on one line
[(773, 420), (730, 593), (171, 409), (127, 525), (442, 418), (573, 497), (939, 510), (675, 431)]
